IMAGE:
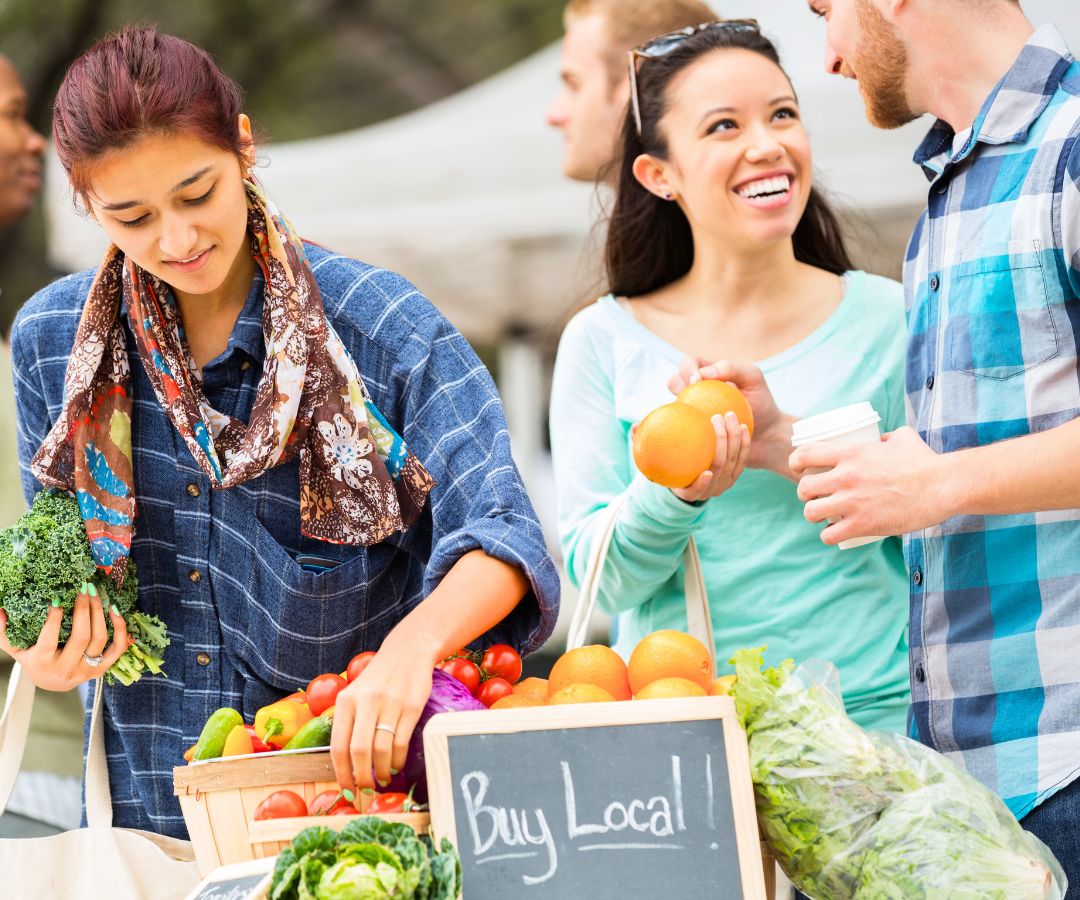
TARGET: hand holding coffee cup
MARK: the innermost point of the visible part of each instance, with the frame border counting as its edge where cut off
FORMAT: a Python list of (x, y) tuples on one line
[(854, 424)]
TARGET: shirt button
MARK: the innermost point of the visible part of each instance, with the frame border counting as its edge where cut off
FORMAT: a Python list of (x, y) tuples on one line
[(935, 282), (930, 382), (920, 674), (245, 365), (203, 659), (193, 489), (195, 575), (916, 576)]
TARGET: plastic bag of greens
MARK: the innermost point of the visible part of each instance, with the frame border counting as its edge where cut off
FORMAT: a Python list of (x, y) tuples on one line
[(854, 813)]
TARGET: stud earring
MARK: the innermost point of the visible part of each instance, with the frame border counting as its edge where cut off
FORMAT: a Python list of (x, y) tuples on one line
[(668, 195)]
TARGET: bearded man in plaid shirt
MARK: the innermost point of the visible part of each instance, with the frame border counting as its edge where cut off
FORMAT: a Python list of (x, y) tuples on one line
[(986, 482)]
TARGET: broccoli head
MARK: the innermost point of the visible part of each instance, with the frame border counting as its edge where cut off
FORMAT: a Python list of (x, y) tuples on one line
[(45, 556)]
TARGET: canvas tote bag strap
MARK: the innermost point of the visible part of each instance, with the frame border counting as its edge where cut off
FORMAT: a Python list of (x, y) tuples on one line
[(14, 726), (698, 617), (98, 797)]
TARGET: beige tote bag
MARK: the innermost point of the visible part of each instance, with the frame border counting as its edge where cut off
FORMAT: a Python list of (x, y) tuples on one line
[(98, 862), (698, 618)]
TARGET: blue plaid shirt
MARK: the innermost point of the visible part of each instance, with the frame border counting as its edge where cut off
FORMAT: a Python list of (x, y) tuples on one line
[(993, 295), (248, 624)]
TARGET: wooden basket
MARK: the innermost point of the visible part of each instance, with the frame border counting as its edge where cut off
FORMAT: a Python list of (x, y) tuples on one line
[(218, 800)]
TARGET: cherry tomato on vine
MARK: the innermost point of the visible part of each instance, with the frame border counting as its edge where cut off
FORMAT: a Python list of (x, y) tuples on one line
[(502, 660), (281, 805), (358, 663), (391, 802), (323, 690), (328, 803), (464, 671), (494, 689)]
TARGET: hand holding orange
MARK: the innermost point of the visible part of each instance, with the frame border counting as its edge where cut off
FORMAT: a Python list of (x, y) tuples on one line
[(675, 443), (715, 398)]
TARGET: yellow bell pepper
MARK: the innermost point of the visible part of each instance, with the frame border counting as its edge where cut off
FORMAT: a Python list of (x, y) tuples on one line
[(238, 743), (277, 723)]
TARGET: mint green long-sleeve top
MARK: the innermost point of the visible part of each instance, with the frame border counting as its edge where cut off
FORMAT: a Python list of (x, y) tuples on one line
[(771, 580)]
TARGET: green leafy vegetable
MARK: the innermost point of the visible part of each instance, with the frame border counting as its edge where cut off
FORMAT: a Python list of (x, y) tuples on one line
[(369, 858), (850, 813), (45, 556)]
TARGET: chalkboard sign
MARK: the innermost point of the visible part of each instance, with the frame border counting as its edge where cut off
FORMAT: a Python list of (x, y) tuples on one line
[(239, 881), (597, 800)]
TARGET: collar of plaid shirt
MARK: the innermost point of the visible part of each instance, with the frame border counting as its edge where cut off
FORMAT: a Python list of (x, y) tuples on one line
[(1011, 109)]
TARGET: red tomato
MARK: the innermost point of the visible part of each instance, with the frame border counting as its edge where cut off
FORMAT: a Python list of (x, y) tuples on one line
[(502, 660), (358, 663), (391, 802), (343, 811), (494, 689), (281, 805), (257, 745), (322, 692), (464, 671), (328, 803)]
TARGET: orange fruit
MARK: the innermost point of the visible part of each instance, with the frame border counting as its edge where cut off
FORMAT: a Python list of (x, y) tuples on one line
[(514, 701), (670, 687), (580, 693), (714, 398), (722, 686), (595, 664), (674, 444), (669, 654), (533, 687)]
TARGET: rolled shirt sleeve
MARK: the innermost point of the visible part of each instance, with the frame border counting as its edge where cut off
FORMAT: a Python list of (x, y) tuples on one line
[(454, 423)]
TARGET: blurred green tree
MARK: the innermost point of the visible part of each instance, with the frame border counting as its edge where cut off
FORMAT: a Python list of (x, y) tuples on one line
[(309, 67)]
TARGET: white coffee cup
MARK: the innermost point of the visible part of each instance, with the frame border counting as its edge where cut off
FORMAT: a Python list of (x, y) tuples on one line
[(854, 424)]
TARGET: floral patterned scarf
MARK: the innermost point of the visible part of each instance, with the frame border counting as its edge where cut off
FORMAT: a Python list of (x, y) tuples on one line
[(358, 481)]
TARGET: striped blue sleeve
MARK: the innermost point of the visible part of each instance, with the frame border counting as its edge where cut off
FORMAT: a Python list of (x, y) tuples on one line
[(454, 423), (31, 411)]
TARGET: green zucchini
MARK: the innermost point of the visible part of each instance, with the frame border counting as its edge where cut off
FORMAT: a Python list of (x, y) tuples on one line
[(314, 733), (215, 732)]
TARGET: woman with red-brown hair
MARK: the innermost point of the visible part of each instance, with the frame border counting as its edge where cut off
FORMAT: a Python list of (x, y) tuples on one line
[(319, 462)]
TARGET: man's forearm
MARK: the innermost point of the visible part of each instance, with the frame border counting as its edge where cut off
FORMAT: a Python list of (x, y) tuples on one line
[(1028, 474)]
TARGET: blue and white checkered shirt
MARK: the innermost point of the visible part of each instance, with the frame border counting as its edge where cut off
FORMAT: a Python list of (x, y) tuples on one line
[(993, 295), (247, 623)]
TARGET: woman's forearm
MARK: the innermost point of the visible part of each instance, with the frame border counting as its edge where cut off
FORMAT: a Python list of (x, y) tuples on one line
[(474, 596)]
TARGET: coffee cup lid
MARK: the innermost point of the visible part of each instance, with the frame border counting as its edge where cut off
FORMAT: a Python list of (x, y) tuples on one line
[(833, 423)]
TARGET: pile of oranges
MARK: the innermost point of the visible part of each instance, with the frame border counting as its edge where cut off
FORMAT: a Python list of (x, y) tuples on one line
[(663, 664), (676, 442)]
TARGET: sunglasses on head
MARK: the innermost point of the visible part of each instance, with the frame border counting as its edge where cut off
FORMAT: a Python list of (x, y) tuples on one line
[(665, 43)]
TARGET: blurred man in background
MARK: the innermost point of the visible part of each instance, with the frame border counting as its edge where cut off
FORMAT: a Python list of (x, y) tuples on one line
[(21, 149), (595, 89), (46, 795)]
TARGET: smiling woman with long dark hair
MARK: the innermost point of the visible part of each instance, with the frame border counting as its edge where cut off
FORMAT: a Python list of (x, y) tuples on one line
[(302, 457), (721, 248)]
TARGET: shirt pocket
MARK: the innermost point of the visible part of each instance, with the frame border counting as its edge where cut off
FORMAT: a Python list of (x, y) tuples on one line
[(303, 623), (1000, 324)]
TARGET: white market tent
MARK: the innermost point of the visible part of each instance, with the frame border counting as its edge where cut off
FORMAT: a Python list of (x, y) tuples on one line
[(466, 196)]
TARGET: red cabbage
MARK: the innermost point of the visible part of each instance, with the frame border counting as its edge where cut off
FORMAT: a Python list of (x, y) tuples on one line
[(447, 695)]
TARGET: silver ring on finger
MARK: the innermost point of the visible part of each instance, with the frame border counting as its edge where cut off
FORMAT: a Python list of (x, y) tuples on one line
[(387, 728), (94, 661)]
